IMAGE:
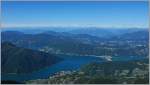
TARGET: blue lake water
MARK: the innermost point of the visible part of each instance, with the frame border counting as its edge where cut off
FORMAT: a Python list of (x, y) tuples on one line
[(69, 63)]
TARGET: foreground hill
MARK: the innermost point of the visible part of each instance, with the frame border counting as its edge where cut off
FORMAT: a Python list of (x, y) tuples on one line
[(20, 60)]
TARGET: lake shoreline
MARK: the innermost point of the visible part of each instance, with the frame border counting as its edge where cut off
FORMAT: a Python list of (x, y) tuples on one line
[(69, 64)]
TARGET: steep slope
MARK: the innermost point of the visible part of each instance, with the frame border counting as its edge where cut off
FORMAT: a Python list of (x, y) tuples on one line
[(19, 60)]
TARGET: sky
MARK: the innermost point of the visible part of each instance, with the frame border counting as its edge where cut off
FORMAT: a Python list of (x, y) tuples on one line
[(126, 14)]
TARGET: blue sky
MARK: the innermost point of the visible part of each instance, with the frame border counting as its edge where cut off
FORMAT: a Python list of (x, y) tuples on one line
[(83, 14)]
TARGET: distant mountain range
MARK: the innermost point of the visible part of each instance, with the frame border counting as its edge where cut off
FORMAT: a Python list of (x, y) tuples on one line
[(106, 33), (83, 34), (82, 43), (50, 38), (137, 35), (20, 60), (95, 31)]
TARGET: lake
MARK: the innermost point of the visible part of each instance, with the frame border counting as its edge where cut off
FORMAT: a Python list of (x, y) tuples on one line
[(69, 63)]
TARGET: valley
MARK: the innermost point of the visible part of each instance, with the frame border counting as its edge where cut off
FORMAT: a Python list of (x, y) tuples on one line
[(69, 54), (74, 42)]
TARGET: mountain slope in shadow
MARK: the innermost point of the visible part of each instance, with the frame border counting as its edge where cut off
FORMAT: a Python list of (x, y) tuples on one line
[(20, 60)]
